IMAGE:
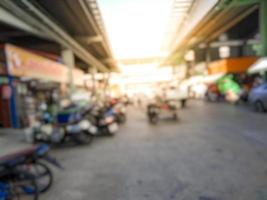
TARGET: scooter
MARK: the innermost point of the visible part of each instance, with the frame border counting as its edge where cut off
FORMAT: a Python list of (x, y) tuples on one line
[(153, 113), (154, 110), (70, 125), (120, 114), (29, 171), (119, 111), (104, 119)]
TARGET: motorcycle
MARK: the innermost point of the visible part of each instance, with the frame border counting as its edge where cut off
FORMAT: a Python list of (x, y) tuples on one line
[(26, 169), (154, 110), (70, 125), (153, 113), (119, 111), (213, 94), (104, 119), (16, 184)]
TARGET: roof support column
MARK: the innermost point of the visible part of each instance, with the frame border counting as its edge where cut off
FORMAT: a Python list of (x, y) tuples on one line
[(106, 84), (173, 70), (92, 70), (207, 56), (68, 59), (263, 26)]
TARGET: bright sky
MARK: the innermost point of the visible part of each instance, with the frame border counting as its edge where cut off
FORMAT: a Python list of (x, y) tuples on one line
[(135, 27)]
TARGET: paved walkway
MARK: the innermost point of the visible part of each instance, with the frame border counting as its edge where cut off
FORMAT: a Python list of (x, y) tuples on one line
[(215, 152), (12, 140)]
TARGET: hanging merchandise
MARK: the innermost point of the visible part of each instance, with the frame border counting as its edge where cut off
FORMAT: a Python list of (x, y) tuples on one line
[(229, 88)]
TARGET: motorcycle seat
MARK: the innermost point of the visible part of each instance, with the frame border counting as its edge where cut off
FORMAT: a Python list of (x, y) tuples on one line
[(14, 157)]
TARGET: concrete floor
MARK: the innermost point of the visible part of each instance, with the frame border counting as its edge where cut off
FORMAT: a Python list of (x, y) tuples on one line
[(215, 152)]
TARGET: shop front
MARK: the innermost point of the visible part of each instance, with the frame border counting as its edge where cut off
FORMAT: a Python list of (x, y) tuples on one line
[(260, 67), (232, 80), (236, 67), (5, 93), (32, 81), (231, 65)]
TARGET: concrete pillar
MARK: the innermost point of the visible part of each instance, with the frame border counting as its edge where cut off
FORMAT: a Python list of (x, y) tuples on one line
[(107, 80), (68, 59), (207, 56), (174, 69), (263, 26), (174, 72), (92, 70)]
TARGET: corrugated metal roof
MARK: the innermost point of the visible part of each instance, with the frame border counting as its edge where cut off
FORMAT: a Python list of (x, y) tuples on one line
[(71, 16)]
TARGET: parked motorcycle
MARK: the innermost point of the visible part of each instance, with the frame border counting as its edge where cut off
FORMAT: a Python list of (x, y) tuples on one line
[(16, 184), (154, 110), (23, 174), (35, 161), (70, 125), (104, 119), (153, 113), (119, 110), (213, 94)]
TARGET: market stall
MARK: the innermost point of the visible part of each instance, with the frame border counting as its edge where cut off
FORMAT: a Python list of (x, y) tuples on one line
[(33, 80), (231, 65), (259, 66)]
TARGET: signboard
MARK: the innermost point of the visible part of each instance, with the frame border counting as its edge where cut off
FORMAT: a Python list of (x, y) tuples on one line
[(231, 65), (78, 77), (22, 63)]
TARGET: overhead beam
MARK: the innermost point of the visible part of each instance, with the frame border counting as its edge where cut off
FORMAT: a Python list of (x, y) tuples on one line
[(75, 46), (51, 29), (210, 27), (14, 33), (8, 18), (94, 25), (108, 60), (231, 23), (90, 39), (135, 61), (237, 3), (89, 16), (232, 43)]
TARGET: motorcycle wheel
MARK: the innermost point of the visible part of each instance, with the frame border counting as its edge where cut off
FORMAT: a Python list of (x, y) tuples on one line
[(153, 119), (122, 118), (23, 186), (84, 137), (42, 173), (258, 107), (108, 132), (37, 134), (175, 116)]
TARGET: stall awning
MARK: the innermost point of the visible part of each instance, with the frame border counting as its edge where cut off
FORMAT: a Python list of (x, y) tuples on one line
[(213, 78), (231, 65), (259, 66), (22, 63)]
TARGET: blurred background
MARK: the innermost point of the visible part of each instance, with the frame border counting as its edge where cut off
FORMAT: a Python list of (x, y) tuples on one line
[(76, 69)]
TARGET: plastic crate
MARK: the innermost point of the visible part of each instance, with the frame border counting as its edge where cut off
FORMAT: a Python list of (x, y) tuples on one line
[(64, 118)]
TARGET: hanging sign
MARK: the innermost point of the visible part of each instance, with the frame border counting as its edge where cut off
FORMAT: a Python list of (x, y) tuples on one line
[(22, 63)]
